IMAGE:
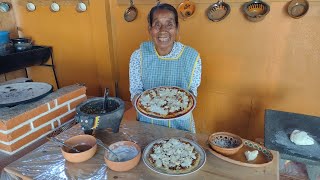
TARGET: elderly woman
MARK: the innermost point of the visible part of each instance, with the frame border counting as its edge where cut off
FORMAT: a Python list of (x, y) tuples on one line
[(168, 62)]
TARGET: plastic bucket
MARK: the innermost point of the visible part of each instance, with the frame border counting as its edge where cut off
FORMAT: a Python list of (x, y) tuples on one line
[(4, 37)]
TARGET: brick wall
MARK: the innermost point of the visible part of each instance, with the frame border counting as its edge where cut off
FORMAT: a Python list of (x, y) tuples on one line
[(22, 125)]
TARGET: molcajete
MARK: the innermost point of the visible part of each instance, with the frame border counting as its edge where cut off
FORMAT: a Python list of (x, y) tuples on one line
[(92, 116)]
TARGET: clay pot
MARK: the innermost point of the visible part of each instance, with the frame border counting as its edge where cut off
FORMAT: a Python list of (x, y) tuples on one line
[(125, 164), (225, 143), (86, 144)]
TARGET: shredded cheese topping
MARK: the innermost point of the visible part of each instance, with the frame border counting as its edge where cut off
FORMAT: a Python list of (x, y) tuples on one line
[(173, 154), (165, 100)]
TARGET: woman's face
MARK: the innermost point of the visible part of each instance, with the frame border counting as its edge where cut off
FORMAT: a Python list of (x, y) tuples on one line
[(163, 31)]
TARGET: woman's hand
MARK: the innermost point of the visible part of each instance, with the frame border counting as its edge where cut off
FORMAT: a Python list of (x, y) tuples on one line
[(192, 93)]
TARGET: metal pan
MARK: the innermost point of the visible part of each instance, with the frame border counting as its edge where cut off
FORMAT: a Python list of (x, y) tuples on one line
[(131, 12), (218, 11), (298, 8), (255, 10), (186, 9)]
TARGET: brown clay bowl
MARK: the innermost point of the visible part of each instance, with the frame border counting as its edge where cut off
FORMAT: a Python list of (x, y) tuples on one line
[(128, 152), (225, 143), (86, 144)]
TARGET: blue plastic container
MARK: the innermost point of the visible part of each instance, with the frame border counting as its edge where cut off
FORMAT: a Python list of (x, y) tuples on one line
[(4, 37)]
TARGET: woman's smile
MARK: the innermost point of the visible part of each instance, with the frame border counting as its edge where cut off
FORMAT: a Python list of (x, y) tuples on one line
[(164, 38)]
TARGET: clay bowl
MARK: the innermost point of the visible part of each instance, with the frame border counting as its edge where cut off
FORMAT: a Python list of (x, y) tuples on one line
[(225, 143), (128, 152), (86, 144)]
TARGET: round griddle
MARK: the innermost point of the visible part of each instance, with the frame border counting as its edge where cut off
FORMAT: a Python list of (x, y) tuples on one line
[(20, 93)]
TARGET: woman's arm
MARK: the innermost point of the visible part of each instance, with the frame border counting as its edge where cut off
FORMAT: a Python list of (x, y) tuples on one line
[(136, 86), (196, 78)]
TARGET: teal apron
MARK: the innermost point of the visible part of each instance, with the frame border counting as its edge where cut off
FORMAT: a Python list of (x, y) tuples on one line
[(178, 71)]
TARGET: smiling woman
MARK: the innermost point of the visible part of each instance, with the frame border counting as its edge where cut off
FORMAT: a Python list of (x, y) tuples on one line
[(165, 62)]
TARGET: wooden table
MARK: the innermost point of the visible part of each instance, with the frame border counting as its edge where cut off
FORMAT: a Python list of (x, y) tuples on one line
[(46, 162)]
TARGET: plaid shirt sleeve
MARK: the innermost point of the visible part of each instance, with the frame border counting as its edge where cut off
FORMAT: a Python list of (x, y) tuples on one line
[(135, 81), (196, 80)]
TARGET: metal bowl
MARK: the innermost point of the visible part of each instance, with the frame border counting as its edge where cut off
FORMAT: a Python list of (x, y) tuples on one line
[(255, 10), (130, 14), (218, 11), (298, 8)]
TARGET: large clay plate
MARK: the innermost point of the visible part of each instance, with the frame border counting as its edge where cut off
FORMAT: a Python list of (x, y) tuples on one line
[(197, 147), (172, 118), (264, 158), (20, 93)]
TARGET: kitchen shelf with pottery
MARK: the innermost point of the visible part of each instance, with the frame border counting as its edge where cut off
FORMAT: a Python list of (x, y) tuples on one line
[(138, 147)]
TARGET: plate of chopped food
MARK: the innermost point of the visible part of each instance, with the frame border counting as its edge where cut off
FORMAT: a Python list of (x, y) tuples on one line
[(174, 156), (165, 103)]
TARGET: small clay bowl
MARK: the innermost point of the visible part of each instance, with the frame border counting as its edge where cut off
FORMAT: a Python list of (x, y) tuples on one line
[(128, 152), (86, 144), (225, 143)]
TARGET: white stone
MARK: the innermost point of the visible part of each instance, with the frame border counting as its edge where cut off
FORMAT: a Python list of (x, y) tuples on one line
[(301, 138)]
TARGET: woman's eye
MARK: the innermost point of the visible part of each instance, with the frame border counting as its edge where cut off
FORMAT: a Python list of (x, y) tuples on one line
[(157, 25)]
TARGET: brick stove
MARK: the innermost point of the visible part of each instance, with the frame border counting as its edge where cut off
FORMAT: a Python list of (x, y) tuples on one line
[(24, 124)]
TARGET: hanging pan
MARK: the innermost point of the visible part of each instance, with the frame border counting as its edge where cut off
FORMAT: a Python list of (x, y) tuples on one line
[(131, 12), (218, 11), (186, 9), (255, 10), (298, 8)]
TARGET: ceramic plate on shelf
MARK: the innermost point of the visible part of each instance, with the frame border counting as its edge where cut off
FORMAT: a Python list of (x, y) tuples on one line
[(264, 157), (198, 162), (165, 103)]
